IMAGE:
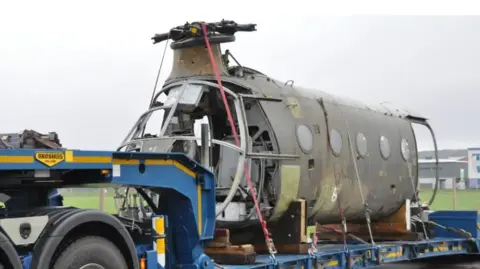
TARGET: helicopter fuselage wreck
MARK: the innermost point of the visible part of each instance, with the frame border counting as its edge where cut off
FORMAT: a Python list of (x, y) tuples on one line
[(298, 143)]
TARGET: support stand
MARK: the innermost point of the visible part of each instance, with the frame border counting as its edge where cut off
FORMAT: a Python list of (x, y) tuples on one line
[(396, 227), (289, 233)]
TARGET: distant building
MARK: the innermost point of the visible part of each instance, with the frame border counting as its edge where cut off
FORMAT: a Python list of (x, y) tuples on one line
[(474, 167), (448, 172)]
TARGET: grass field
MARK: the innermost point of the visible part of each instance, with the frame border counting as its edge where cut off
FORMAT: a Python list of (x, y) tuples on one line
[(89, 200), (466, 199)]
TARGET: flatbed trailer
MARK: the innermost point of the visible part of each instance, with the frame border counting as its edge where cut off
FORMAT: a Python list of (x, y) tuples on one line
[(181, 224)]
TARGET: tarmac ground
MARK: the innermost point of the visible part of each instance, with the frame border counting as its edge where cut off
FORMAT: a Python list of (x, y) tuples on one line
[(453, 262)]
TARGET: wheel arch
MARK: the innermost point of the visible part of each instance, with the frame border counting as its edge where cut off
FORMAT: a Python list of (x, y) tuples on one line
[(78, 223)]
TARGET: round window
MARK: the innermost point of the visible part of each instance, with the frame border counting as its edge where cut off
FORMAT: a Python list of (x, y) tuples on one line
[(336, 141), (384, 147), (361, 145), (305, 138), (405, 149)]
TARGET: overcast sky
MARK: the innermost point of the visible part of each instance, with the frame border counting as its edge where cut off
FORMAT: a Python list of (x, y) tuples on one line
[(87, 71)]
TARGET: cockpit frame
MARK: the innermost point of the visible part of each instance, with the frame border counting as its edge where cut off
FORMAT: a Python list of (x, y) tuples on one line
[(136, 132)]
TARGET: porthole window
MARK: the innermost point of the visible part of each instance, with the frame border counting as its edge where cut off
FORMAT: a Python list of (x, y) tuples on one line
[(405, 149), (305, 138), (361, 142), (336, 141), (384, 147)]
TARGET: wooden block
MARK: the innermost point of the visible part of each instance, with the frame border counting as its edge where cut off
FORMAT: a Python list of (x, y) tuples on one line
[(221, 239), (214, 244), (291, 228), (232, 249), (239, 254), (222, 235), (303, 221), (285, 248), (396, 225), (338, 237)]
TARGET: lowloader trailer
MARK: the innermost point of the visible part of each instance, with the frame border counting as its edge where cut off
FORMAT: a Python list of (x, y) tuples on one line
[(178, 230), (176, 223)]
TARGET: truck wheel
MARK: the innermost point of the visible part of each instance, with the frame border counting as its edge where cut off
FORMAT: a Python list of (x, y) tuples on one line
[(91, 252)]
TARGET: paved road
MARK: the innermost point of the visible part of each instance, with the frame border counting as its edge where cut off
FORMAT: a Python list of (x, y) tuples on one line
[(446, 263), (423, 266)]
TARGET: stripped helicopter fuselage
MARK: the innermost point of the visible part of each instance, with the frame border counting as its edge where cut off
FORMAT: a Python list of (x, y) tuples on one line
[(298, 143)]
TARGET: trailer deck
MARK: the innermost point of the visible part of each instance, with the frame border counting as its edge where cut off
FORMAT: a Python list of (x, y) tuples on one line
[(367, 256), (166, 171)]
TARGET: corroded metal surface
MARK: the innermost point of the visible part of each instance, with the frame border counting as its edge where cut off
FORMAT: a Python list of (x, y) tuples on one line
[(385, 183), (313, 125), (195, 61)]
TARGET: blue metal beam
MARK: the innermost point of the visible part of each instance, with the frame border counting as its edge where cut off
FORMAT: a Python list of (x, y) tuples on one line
[(188, 199), (187, 189)]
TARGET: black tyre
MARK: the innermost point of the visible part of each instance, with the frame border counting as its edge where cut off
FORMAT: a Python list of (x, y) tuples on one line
[(91, 252)]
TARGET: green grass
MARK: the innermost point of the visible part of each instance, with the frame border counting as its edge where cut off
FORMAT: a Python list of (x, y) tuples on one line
[(89, 200), (466, 200)]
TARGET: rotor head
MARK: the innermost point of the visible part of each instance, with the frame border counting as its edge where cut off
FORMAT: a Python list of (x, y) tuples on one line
[(191, 34)]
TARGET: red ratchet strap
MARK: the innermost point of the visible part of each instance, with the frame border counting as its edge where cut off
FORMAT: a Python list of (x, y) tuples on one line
[(268, 240), (313, 247)]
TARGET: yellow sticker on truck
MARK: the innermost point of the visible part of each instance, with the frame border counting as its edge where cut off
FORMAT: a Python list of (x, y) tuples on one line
[(50, 158)]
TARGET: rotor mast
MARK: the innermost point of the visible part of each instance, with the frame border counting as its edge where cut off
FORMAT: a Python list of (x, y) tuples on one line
[(191, 56)]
